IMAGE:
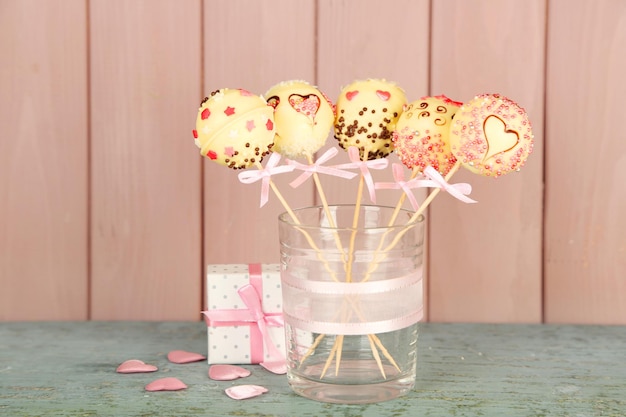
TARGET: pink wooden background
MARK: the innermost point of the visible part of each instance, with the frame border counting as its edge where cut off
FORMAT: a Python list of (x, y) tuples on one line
[(107, 211)]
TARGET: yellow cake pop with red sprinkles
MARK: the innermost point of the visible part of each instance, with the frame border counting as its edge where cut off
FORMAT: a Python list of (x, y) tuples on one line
[(491, 135), (303, 115), (366, 116), (422, 135), (234, 128)]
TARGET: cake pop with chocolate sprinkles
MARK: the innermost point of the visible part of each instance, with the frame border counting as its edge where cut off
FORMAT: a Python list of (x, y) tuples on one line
[(366, 116), (234, 128)]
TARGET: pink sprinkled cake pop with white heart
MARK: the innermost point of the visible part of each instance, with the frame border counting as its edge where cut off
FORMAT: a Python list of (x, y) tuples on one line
[(367, 112), (491, 135)]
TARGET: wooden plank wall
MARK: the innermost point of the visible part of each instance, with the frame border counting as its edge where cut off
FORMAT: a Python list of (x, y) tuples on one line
[(108, 211)]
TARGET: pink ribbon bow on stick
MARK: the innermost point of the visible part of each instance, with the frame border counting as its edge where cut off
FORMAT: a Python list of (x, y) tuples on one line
[(406, 186), (254, 316), (318, 167), (265, 174), (364, 166), (459, 191)]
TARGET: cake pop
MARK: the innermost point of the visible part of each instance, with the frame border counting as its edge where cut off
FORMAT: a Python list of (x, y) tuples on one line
[(303, 118), (491, 135), (421, 138), (367, 112), (234, 128)]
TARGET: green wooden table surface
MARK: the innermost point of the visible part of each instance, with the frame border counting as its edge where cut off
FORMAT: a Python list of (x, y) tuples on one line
[(68, 369)]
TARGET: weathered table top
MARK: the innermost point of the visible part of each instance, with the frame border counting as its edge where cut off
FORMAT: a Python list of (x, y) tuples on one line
[(68, 369)]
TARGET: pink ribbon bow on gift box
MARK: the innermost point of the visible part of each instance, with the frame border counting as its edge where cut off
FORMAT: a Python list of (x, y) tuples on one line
[(252, 316)]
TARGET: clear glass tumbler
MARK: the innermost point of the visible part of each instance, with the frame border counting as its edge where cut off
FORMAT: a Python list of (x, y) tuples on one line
[(351, 278)]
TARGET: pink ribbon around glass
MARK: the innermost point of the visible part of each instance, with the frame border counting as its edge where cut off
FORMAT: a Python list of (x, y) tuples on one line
[(253, 316), (264, 175), (319, 168), (364, 166), (386, 305)]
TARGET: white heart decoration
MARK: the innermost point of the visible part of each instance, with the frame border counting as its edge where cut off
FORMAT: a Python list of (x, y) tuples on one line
[(242, 392), (498, 137)]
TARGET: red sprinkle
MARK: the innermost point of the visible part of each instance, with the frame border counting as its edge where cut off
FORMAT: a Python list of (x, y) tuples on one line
[(205, 114), (195, 133), (212, 155), (229, 111), (269, 125)]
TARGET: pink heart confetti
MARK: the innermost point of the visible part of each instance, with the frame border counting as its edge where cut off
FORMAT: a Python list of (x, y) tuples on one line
[(242, 392), (351, 94), (166, 384), (182, 356), (383, 95), (133, 366), (227, 372), (276, 367)]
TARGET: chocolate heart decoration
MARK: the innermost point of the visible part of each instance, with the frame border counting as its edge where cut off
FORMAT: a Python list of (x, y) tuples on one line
[(498, 137), (308, 105), (182, 356), (166, 384), (383, 95), (133, 366), (351, 94)]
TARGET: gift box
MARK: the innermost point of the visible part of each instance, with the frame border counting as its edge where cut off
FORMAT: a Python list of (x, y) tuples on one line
[(244, 314)]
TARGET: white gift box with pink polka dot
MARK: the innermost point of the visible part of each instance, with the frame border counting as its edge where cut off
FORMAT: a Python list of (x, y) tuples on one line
[(231, 340)]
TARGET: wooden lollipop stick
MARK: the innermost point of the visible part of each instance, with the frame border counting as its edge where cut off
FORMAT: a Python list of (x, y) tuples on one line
[(385, 352), (374, 341), (295, 219), (434, 193), (396, 211), (339, 352), (338, 345), (337, 348), (355, 223), (320, 191), (376, 355), (374, 264), (284, 203), (419, 212), (312, 348), (333, 351), (331, 220), (391, 222)]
